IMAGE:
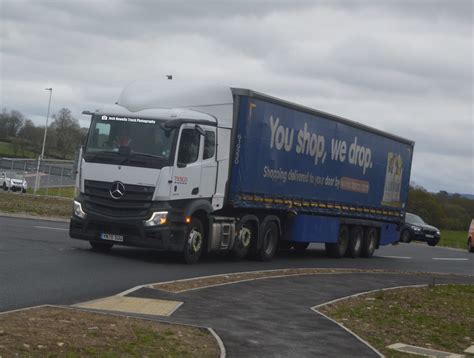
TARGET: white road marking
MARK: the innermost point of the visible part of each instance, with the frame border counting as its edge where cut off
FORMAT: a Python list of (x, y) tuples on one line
[(51, 228), (396, 257), (450, 258)]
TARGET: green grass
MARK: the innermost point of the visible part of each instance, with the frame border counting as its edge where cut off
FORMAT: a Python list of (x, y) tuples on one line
[(6, 150), (439, 317), (39, 205), (455, 239), (65, 192)]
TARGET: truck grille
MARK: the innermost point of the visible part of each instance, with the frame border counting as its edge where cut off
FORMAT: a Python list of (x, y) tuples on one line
[(135, 202)]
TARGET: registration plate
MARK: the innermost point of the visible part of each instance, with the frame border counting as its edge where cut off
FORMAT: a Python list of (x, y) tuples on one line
[(430, 236), (111, 237)]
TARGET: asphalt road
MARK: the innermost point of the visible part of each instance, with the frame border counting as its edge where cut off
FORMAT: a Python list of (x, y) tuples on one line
[(40, 264)]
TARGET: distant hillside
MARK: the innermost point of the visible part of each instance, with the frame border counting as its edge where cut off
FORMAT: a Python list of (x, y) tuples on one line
[(443, 210)]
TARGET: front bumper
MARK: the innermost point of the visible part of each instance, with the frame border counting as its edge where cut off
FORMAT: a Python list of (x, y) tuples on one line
[(166, 237), (422, 236), (15, 187)]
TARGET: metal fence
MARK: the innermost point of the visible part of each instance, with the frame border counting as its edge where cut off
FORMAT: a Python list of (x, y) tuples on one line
[(55, 176)]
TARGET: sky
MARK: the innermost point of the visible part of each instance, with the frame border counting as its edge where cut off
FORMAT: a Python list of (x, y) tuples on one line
[(405, 67)]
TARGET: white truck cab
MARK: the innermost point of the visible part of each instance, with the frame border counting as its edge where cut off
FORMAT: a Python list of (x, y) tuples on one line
[(143, 168)]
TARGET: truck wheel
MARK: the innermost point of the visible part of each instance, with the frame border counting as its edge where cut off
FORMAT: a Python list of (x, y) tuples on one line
[(270, 241), (101, 246), (339, 248), (194, 241), (370, 243), (300, 246), (405, 236), (470, 246), (355, 242), (242, 241)]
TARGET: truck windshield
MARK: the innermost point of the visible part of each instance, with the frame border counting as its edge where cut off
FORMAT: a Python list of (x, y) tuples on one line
[(129, 141)]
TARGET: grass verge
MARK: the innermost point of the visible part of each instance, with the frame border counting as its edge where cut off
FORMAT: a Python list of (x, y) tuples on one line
[(65, 191), (16, 203), (438, 317), (51, 332), (455, 239)]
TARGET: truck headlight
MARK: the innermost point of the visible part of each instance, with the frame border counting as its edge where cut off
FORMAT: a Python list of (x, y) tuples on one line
[(157, 218), (77, 209)]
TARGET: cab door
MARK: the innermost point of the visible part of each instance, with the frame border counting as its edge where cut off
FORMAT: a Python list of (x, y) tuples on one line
[(186, 178), (209, 163)]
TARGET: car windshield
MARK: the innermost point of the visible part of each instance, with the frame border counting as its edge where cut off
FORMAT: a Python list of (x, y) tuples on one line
[(129, 141), (413, 219)]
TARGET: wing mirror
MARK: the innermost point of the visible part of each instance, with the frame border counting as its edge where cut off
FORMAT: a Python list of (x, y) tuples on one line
[(199, 130)]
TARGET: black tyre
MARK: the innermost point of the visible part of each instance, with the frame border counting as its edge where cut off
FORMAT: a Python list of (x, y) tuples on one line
[(405, 236), (356, 239), (4, 186), (23, 191), (101, 246), (194, 241), (433, 242), (370, 242), (270, 241), (470, 245), (300, 246), (339, 248), (245, 235)]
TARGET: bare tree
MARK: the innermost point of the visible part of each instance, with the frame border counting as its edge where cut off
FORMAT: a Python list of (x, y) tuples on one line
[(65, 132)]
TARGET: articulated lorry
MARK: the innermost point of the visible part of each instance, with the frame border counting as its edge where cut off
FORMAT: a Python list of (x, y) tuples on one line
[(234, 170)]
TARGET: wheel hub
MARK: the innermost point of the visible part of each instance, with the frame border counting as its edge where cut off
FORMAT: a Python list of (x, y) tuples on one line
[(244, 237), (195, 240)]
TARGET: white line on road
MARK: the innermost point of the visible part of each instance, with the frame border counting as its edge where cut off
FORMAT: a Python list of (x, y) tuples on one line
[(450, 258), (51, 228), (396, 257)]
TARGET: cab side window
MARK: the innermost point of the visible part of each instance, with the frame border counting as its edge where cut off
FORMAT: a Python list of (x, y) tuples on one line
[(209, 145), (188, 147)]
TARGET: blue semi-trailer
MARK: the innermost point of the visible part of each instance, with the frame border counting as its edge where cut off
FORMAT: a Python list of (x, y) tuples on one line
[(237, 171)]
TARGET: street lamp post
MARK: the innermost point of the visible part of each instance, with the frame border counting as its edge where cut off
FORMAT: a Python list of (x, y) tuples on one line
[(44, 141)]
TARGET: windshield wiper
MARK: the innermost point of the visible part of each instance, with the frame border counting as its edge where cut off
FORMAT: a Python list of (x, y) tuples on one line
[(103, 152), (139, 154), (146, 155)]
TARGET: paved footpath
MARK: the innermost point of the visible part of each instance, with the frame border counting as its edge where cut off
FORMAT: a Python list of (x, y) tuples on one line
[(273, 317)]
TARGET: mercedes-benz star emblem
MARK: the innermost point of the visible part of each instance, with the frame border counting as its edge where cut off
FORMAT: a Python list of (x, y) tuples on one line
[(117, 190)]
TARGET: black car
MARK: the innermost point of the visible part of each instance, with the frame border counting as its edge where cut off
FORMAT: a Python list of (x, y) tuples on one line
[(416, 229)]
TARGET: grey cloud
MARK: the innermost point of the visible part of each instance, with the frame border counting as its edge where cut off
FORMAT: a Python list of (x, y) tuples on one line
[(401, 66)]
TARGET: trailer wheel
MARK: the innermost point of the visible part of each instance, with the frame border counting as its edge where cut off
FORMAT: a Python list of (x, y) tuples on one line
[(194, 241), (370, 243), (339, 248), (405, 236), (270, 241), (243, 240), (101, 246), (355, 242), (300, 246)]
